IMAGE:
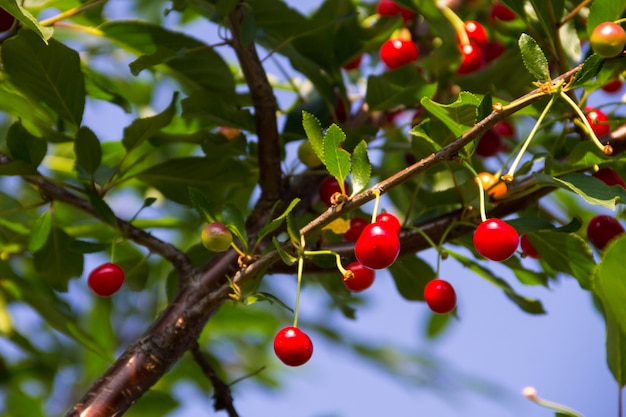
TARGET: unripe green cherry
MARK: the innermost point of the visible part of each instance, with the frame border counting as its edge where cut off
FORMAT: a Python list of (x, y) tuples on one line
[(307, 155), (216, 237), (608, 39)]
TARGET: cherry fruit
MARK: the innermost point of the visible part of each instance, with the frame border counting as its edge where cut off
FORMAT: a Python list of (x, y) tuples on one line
[(528, 248), (292, 346), (608, 39), (476, 33), (491, 185), (505, 129), (598, 120), (106, 279), (472, 59), (489, 144), (354, 64), (493, 50), (613, 86), (496, 240), (357, 224), (602, 229), (358, 277), (440, 296), (377, 247), (390, 221), (329, 189), (216, 237), (609, 176), (390, 8), (501, 12), (398, 52), (6, 20)]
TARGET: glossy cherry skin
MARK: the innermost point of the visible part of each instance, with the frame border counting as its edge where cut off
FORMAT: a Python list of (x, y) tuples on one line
[(440, 296), (496, 240), (389, 8), (354, 64), (528, 248), (360, 277), (609, 176), (489, 144), (493, 50), (106, 279), (608, 39), (613, 86), (491, 185), (216, 237), (476, 33), (598, 120), (390, 221), (602, 229), (377, 247), (501, 12), (505, 129), (292, 346), (397, 52), (6, 20), (328, 188), (357, 224), (472, 59)]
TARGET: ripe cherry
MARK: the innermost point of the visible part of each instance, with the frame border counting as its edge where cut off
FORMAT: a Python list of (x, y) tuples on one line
[(505, 129), (602, 229), (501, 12), (440, 296), (398, 52), (228, 132), (354, 64), (329, 188), (358, 277), (216, 237), (377, 247), (493, 50), (496, 240), (292, 346), (609, 176), (390, 221), (389, 8), (491, 185), (472, 59), (528, 248), (613, 86), (106, 279), (608, 39), (357, 224), (6, 20), (598, 120), (476, 33), (489, 144)]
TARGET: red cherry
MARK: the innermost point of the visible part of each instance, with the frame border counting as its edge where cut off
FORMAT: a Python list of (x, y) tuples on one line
[(493, 50), (357, 224), (292, 346), (361, 277), (354, 64), (528, 248), (328, 188), (602, 229), (389, 220), (609, 176), (106, 279), (341, 109), (472, 59), (476, 33), (608, 39), (377, 247), (496, 240), (598, 120), (389, 8), (440, 296), (397, 52), (505, 128), (613, 86), (6, 20), (501, 12), (489, 144)]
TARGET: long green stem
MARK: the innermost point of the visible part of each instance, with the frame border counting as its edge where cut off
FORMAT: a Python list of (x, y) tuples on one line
[(531, 394), (481, 194), (376, 204), (583, 118), (532, 133), (300, 271)]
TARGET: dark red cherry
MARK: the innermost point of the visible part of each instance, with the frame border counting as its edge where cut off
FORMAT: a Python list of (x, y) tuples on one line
[(357, 224), (609, 176), (358, 277), (528, 248), (602, 229), (472, 59), (106, 279)]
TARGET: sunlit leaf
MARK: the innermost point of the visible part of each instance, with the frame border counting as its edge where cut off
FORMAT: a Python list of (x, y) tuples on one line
[(40, 232), (534, 58), (27, 19), (459, 116), (141, 130), (313, 131), (233, 219), (589, 188), (336, 159), (361, 168)]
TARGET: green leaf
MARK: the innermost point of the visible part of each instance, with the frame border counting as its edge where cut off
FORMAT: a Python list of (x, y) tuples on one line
[(565, 252), (48, 73), (88, 150), (83, 246), (278, 221), (403, 86), (437, 323), (27, 19), (313, 130), (528, 305), (203, 204), (103, 210), (591, 67), (589, 188), (361, 168), (17, 168), (41, 231), (24, 146), (485, 108), (411, 274), (615, 348), (235, 222), (604, 11), (270, 298), (534, 58), (142, 129), (161, 55), (213, 108), (336, 159), (286, 258), (459, 116), (55, 262)]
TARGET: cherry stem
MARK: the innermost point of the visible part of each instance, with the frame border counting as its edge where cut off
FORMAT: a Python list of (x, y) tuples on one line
[(481, 194), (583, 118), (559, 408), (72, 12), (376, 204), (327, 252), (509, 176), (431, 243), (300, 270), (457, 23)]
